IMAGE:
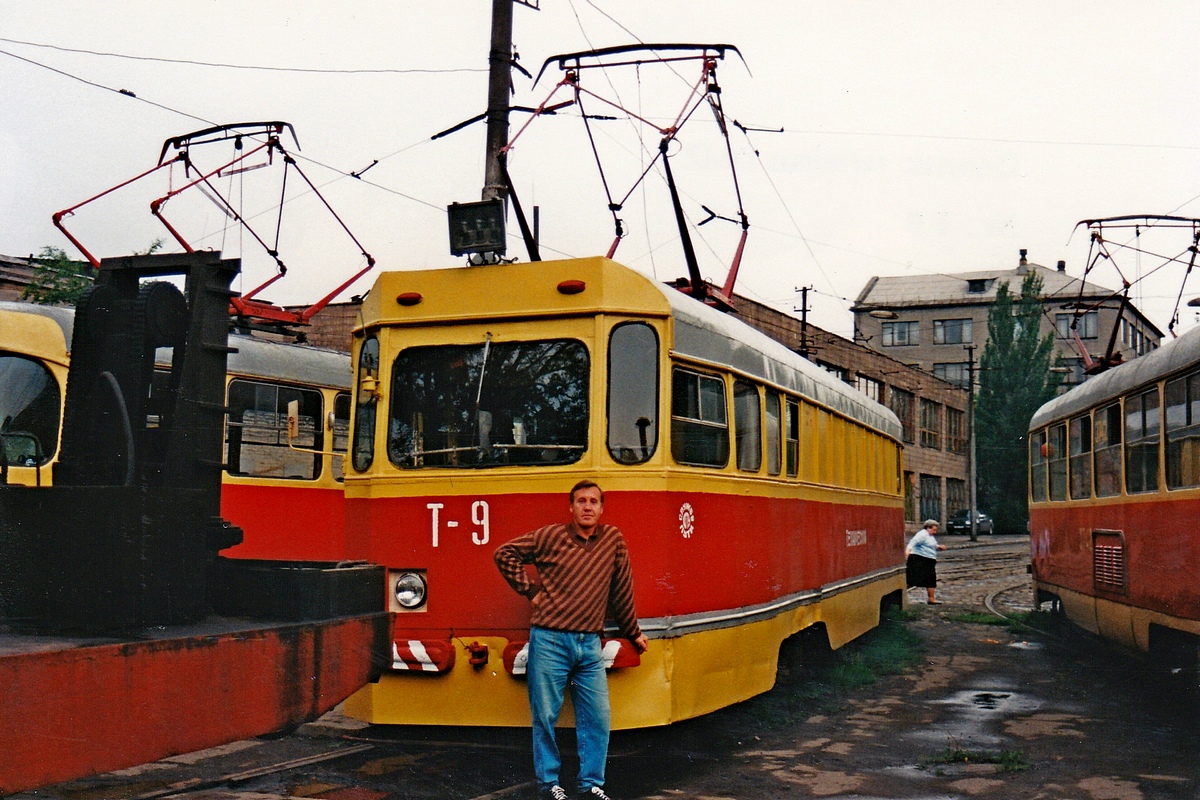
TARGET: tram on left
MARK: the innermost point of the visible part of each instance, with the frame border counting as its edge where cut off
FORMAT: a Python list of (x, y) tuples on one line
[(286, 497)]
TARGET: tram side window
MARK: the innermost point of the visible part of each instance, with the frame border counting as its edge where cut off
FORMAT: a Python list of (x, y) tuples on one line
[(1182, 400), (368, 401), (30, 404), (773, 433), (1056, 456), (793, 439), (632, 393), (1107, 437), (341, 433), (257, 433), (1080, 442), (748, 421), (1141, 442), (1037, 466), (699, 423)]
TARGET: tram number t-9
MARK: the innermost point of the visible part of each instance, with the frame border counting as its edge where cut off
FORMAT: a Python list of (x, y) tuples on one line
[(480, 516)]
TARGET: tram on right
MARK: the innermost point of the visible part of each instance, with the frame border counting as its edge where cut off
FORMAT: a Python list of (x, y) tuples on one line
[(1114, 477)]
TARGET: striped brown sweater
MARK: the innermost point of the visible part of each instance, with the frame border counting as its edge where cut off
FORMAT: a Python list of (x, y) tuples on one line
[(578, 580)]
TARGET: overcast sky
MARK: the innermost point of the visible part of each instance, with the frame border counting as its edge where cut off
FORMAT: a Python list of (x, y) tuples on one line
[(917, 137)]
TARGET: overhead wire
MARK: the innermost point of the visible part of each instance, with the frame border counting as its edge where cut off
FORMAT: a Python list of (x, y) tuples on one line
[(254, 67)]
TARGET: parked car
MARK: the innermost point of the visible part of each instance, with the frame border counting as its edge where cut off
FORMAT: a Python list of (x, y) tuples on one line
[(960, 522)]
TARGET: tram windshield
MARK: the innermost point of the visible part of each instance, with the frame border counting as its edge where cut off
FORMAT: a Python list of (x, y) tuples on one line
[(29, 411), (489, 404)]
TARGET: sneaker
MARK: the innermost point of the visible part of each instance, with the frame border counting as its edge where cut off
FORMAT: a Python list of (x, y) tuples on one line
[(555, 792), (594, 793)]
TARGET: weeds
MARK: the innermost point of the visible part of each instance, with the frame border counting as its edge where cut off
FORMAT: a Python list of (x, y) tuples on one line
[(821, 684), (1005, 760)]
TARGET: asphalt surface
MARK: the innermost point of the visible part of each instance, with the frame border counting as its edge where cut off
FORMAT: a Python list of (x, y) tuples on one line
[(991, 711)]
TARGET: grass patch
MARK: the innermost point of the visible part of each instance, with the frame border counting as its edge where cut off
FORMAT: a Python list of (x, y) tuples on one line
[(1005, 760), (821, 685)]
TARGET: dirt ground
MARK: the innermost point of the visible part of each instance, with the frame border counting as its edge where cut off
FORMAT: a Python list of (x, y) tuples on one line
[(1027, 715)]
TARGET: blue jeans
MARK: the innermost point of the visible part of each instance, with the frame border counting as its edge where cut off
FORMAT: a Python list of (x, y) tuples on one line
[(559, 660)]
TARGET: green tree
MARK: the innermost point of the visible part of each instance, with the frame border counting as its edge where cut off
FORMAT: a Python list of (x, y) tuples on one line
[(57, 280), (1014, 381)]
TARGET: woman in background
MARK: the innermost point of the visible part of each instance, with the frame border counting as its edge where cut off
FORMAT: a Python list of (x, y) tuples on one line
[(921, 566)]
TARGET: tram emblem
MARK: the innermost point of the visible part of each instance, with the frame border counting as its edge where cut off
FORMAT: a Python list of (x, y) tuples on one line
[(687, 520)]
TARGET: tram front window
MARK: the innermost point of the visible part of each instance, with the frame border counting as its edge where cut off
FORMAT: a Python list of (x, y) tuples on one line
[(29, 406), (489, 404)]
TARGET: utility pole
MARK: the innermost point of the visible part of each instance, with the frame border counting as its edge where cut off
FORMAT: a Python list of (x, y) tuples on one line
[(803, 350), (970, 348), (499, 86)]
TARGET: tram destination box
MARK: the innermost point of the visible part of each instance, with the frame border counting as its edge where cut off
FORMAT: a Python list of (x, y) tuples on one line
[(293, 591)]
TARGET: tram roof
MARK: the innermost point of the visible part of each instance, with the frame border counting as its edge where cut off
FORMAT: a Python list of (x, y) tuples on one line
[(534, 290), (253, 356), (1174, 356)]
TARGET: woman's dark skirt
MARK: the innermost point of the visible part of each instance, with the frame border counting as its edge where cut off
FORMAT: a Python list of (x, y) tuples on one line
[(921, 571)]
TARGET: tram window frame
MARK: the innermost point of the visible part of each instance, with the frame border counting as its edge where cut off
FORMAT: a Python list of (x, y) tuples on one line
[(269, 427), (1107, 451), (792, 438), (1181, 401), (1056, 460), (1142, 428), (631, 410), (340, 435), (490, 403), (699, 424), (366, 410), (747, 418), (40, 412), (772, 411), (1038, 466), (1079, 444)]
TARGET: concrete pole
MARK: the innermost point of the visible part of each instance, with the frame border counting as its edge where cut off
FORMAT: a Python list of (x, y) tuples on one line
[(499, 86), (971, 440)]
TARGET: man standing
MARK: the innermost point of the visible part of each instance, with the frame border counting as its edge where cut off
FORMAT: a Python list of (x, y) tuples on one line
[(582, 570)]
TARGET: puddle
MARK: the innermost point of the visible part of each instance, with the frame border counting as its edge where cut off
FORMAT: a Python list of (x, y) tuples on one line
[(989, 700), (1026, 645), (978, 700)]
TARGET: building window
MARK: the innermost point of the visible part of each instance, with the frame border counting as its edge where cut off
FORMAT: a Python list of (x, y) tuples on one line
[(1075, 373), (952, 331), (903, 405), (839, 372), (931, 424), (1087, 325), (870, 387), (956, 495), (978, 285), (956, 431), (957, 372), (931, 497), (901, 334)]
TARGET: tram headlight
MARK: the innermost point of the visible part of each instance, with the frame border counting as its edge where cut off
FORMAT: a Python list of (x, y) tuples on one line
[(410, 590)]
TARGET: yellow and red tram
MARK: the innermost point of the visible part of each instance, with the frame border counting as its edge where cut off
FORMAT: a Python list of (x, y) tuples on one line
[(288, 500), (759, 495), (1114, 475)]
